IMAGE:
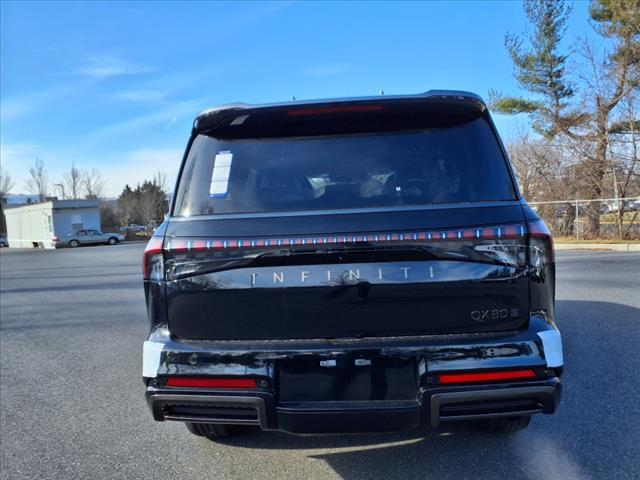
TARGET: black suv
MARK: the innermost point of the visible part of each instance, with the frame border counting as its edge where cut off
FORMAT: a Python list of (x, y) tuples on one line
[(350, 265)]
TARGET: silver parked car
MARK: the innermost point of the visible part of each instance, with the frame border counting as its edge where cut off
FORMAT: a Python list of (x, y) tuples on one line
[(89, 237)]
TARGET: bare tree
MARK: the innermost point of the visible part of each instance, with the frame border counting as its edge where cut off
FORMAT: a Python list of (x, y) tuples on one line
[(160, 179), (624, 158), (6, 183), (521, 153), (92, 183), (581, 107), (542, 168), (39, 181), (73, 181)]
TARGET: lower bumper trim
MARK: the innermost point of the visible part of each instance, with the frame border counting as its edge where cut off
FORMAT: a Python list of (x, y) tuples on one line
[(349, 417), (237, 410), (499, 402)]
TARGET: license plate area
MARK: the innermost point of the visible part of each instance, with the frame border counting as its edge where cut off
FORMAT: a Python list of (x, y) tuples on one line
[(347, 379)]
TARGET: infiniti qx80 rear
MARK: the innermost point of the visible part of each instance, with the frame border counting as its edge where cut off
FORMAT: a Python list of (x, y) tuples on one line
[(350, 265)]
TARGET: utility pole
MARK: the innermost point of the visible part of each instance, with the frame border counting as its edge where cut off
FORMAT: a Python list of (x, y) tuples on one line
[(61, 188)]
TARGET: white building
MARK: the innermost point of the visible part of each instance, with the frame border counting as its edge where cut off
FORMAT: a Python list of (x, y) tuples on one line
[(38, 224)]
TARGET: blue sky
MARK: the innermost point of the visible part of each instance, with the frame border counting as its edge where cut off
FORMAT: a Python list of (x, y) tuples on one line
[(116, 85)]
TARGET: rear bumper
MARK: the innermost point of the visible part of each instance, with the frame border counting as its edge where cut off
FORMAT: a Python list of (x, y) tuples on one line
[(414, 400), (432, 408)]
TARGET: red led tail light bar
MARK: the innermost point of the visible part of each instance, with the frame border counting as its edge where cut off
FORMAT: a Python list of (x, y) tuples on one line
[(451, 378), (501, 232), (200, 382)]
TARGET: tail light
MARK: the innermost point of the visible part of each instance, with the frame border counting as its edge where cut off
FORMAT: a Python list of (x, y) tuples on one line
[(153, 261), (540, 244), (495, 376), (55, 239), (203, 382)]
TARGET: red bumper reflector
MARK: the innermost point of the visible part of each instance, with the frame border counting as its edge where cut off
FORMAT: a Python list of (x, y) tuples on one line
[(486, 376), (211, 382)]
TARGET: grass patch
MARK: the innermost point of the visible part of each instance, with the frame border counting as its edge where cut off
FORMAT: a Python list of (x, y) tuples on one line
[(592, 240), (627, 218)]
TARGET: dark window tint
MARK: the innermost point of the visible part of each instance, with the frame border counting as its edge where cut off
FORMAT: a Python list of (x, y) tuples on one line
[(462, 163)]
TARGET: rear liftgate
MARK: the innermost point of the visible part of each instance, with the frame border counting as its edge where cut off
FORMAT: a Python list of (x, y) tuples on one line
[(348, 285)]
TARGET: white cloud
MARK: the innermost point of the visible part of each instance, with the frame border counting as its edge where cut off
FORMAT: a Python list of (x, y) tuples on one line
[(12, 108), (161, 117), (145, 96), (171, 122), (109, 66), (327, 70), (17, 152)]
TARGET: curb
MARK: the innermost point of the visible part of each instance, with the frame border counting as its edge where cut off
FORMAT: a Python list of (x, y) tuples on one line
[(614, 247)]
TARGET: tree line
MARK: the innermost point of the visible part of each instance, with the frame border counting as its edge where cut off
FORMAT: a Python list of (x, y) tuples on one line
[(583, 103), (75, 184), (144, 204)]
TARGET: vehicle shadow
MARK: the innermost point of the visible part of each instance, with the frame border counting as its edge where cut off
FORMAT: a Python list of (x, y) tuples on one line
[(593, 434)]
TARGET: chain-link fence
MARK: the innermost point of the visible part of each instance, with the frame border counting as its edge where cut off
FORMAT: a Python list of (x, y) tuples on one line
[(607, 218)]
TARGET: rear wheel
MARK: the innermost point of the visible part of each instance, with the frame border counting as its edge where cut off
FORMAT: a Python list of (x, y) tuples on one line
[(503, 424), (74, 243), (112, 241), (217, 431)]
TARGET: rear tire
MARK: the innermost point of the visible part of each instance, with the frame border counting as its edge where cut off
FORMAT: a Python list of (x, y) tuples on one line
[(74, 243), (217, 431), (503, 425), (112, 241)]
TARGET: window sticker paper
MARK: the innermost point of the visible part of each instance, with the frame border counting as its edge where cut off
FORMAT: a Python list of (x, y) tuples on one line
[(220, 176)]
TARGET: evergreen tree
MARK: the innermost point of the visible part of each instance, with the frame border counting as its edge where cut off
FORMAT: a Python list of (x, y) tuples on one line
[(554, 106)]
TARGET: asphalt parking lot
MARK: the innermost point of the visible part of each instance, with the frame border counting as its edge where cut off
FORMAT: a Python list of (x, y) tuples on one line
[(72, 324)]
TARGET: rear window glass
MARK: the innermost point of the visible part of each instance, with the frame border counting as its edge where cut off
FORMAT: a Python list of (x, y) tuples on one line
[(461, 163)]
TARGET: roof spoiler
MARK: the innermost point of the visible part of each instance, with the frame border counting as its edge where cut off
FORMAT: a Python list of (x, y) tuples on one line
[(235, 114)]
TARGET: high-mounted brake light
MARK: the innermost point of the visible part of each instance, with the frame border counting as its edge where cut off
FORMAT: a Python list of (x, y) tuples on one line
[(152, 260), (198, 382), (327, 110), (485, 376)]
